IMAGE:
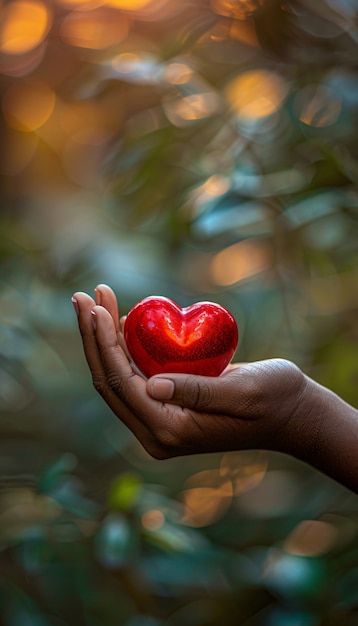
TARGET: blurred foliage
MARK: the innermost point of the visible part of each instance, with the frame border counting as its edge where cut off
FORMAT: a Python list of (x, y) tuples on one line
[(198, 150)]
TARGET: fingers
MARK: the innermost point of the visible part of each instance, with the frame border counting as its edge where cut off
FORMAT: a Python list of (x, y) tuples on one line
[(159, 427), (164, 429), (249, 390), (127, 386), (85, 305), (199, 393), (105, 297)]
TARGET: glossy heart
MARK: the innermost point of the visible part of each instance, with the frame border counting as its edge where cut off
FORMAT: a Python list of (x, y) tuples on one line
[(163, 337)]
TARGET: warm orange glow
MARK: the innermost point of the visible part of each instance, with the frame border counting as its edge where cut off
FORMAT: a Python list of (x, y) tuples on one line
[(76, 115), (125, 62), (244, 32), (207, 498), (256, 94), (320, 106), (196, 106), (311, 538), (178, 73), (205, 505), (28, 105), (24, 26), (84, 5), (152, 520), (245, 469), (237, 9), (240, 261), (96, 29), (129, 5), (213, 187)]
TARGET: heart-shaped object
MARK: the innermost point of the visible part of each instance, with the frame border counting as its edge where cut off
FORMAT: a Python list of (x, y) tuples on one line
[(163, 337)]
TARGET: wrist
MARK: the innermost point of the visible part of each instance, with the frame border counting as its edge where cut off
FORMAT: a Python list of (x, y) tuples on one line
[(323, 432)]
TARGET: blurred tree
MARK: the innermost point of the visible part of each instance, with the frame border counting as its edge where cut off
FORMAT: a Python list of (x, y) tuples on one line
[(200, 150)]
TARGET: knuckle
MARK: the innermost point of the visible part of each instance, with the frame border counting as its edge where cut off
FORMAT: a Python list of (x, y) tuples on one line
[(167, 438), (160, 446), (99, 385), (197, 394), (116, 383)]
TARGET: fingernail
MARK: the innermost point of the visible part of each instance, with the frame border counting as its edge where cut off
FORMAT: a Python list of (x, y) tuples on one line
[(75, 305), (98, 296), (162, 388), (94, 320)]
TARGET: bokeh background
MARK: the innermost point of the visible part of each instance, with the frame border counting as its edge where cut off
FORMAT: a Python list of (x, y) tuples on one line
[(198, 150)]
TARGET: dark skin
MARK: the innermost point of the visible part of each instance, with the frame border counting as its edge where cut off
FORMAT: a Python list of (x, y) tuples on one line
[(267, 404)]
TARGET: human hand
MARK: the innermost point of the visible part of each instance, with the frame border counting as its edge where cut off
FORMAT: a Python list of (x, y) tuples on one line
[(251, 405)]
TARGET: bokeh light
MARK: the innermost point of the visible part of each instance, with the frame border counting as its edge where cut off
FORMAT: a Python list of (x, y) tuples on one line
[(207, 497), (177, 73), (97, 29), (182, 110), (237, 9), (202, 151), (256, 94), (311, 538), (240, 261), (152, 519), (24, 26), (28, 105), (130, 5)]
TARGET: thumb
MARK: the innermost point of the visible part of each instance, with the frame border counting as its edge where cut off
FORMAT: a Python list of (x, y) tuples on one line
[(201, 393)]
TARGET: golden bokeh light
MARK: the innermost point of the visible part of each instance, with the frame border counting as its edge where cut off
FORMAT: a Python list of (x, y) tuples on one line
[(177, 73), (245, 469), (240, 261), (205, 505), (207, 498), (96, 30), (83, 5), (311, 538), (196, 106), (214, 187), (126, 62), (153, 519), (237, 9), (256, 94), (28, 105), (24, 26), (129, 5)]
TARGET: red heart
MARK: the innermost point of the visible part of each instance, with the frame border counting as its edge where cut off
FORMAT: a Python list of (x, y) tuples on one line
[(162, 337)]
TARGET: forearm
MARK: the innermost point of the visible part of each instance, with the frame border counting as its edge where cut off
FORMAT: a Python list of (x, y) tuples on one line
[(324, 433)]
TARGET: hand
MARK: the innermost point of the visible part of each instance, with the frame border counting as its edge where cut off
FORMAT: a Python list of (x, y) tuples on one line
[(250, 405)]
